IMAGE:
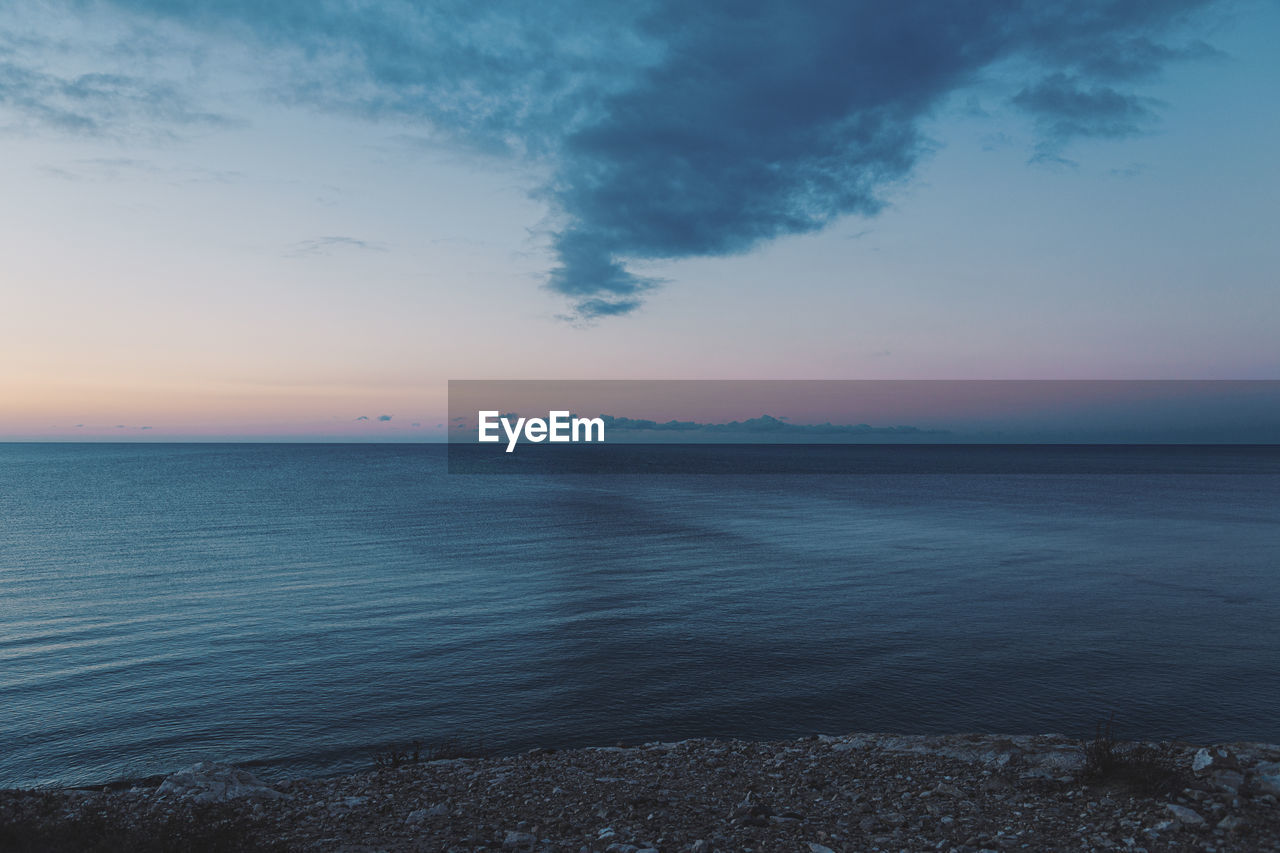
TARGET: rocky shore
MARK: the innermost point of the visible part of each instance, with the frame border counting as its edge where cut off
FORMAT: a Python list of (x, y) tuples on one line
[(861, 792)]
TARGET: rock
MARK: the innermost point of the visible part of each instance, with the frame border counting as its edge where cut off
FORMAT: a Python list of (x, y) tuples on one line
[(1230, 823), (420, 815), (1228, 780), (1056, 762), (814, 847), (1214, 758), (1268, 783), (757, 810), (517, 840), (211, 782), (700, 846), (1184, 815)]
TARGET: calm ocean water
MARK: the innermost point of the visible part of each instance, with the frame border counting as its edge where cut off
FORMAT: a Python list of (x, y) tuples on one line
[(298, 606)]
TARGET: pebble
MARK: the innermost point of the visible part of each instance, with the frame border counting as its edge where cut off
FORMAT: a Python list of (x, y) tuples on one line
[(966, 792)]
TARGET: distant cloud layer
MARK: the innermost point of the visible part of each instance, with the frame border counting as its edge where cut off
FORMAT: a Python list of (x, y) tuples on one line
[(670, 129), (765, 424)]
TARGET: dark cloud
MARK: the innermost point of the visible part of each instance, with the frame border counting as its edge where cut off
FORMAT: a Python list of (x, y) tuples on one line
[(363, 418), (672, 130), (769, 119), (384, 418)]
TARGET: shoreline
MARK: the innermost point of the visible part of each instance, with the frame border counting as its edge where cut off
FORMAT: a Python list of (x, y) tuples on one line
[(815, 794)]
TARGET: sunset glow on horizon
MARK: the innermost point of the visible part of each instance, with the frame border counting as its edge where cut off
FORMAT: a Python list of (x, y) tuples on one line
[(223, 223)]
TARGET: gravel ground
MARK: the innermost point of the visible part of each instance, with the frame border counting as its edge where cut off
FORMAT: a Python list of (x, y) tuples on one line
[(820, 794)]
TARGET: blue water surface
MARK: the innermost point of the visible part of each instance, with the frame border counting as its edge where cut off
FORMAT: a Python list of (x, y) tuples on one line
[(297, 607)]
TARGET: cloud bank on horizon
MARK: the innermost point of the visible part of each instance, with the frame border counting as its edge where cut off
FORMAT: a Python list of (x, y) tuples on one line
[(663, 130)]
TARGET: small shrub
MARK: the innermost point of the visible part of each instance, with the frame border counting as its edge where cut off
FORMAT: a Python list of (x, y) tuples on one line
[(1146, 770), (42, 821), (1100, 755)]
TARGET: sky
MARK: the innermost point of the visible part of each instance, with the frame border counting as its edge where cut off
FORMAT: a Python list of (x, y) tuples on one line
[(300, 219)]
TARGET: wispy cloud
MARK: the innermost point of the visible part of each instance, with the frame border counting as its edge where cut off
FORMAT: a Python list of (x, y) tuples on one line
[(1133, 170), (115, 168), (93, 104), (1066, 109), (328, 245)]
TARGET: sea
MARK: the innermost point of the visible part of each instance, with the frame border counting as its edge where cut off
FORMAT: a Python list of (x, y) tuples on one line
[(301, 609)]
